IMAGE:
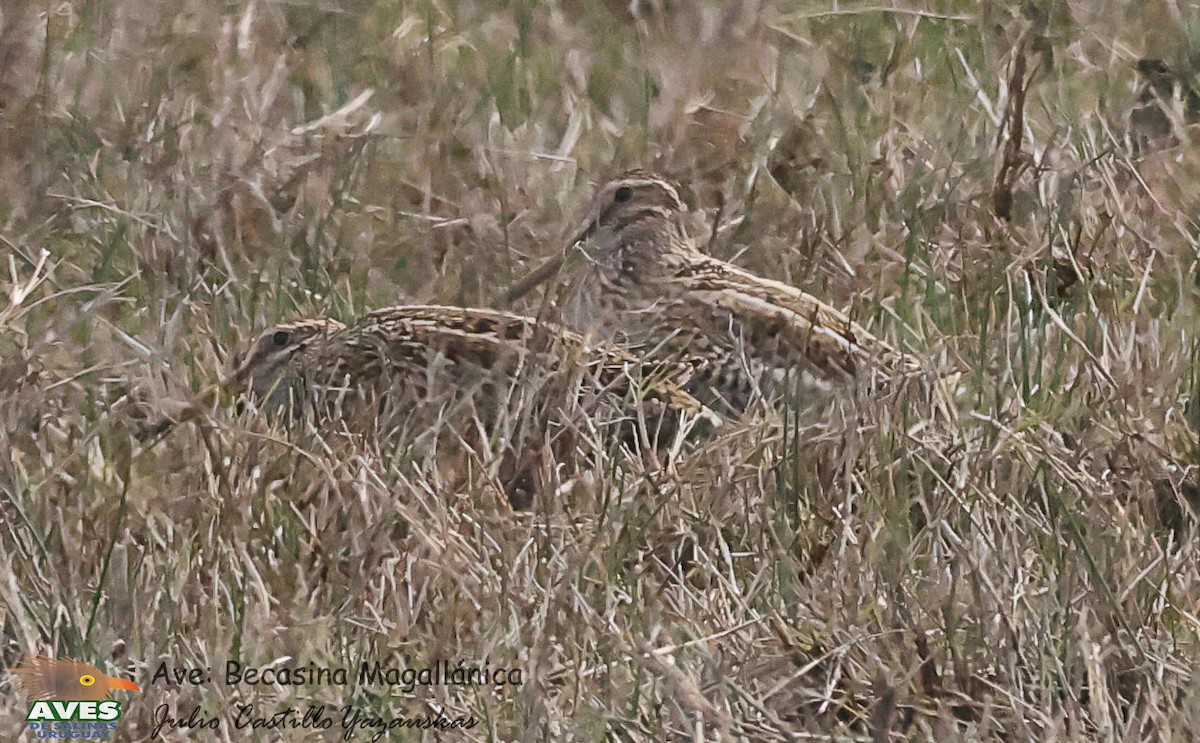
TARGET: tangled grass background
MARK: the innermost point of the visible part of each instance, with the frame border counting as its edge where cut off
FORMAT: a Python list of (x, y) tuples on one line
[(1001, 189)]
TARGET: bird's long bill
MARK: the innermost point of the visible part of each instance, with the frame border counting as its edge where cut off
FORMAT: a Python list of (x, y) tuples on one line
[(119, 683), (533, 279), (191, 411), (237, 373), (551, 267)]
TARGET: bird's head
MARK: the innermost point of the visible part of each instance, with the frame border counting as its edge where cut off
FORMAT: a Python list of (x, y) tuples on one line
[(67, 680), (626, 200), (636, 204), (268, 362)]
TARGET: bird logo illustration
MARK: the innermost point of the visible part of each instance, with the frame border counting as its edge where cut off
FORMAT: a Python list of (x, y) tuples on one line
[(42, 678), (68, 698)]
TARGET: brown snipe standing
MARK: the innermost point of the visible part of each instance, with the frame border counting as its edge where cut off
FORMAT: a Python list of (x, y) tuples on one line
[(648, 284), (458, 371)]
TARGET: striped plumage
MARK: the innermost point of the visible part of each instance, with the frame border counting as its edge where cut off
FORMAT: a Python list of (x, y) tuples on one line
[(410, 367), (406, 339), (648, 284)]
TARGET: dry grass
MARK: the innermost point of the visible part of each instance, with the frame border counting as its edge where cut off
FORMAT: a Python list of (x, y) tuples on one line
[(176, 174)]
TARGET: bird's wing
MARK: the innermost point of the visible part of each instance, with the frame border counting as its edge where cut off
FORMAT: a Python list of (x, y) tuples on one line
[(493, 338), (771, 309)]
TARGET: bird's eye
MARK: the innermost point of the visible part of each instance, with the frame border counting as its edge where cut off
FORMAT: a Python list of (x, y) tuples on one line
[(281, 338), (623, 194), (87, 679)]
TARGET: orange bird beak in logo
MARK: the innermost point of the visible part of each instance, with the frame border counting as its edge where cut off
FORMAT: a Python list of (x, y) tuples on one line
[(67, 680)]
